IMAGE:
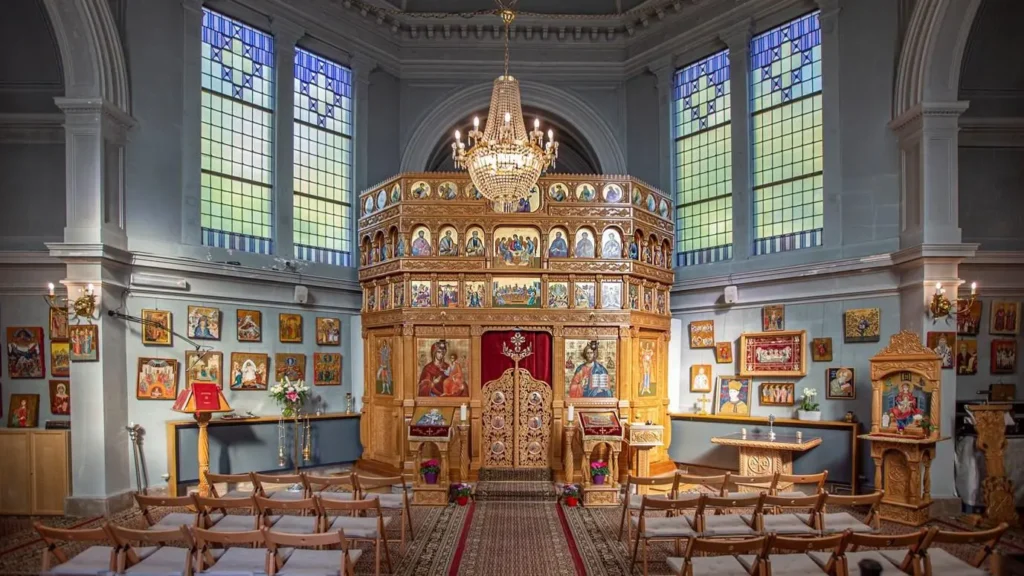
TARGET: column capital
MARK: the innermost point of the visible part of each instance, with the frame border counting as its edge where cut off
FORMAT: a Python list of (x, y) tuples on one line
[(362, 66), (79, 112), (192, 5), (286, 32), (737, 37), (663, 69), (913, 117), (829, 10)]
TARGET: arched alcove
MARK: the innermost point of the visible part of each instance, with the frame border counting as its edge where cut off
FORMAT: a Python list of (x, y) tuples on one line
[(575, 154)]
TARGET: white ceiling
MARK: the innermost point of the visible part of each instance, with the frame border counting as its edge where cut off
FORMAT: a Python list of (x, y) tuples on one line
[(550, 7)]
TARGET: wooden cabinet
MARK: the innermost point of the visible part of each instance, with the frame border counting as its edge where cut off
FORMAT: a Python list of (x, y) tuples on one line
[(35, 477)]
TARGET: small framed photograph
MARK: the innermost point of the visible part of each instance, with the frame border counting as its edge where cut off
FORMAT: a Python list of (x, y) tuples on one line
[(773, 318), (732, 396), (1004, 356), (700, 378), (821, 350), (839, 384), (777, 394), (723, 352)]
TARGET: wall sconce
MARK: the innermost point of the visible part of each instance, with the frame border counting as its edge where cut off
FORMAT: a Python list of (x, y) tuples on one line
[(942, 307), (84, 306)]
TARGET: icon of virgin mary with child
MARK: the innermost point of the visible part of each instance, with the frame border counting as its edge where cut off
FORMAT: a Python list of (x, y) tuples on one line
[(440, 377)]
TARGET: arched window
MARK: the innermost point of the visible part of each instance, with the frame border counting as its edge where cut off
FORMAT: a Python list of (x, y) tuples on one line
[(703, 161), (236, 135), (323, 160), (785, 92)]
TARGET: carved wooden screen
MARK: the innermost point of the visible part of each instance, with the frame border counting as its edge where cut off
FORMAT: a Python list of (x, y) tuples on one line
[(516, 422)]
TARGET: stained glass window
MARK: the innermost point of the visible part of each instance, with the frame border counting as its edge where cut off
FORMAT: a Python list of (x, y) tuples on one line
[(323, 160), (237, 135), (703, 161), (785, 71)]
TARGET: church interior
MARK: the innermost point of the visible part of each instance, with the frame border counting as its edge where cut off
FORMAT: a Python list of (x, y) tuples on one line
[(573, 287)]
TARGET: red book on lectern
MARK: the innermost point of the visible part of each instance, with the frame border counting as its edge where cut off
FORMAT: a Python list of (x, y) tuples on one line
[(207, 397)]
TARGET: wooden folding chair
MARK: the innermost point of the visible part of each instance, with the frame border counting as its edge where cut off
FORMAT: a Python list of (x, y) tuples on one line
[(213, 513), (327, 486), (304, 559), (791, 481), (724, 560), (754, 485), (352, 519), (905, 559), (263, 485), (712, 485), (229, 479), (798, 563), (789, 523), (155, 554), (672, 527), (832, 522), (307, 523), (388, 501), (724, 522), (230, 553), (632, 501), (98, 560), (936, 561), (147, 504)]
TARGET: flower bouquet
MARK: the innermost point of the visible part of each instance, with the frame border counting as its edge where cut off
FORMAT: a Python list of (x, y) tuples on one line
[(430, 469), (290, 396), (598, 471), (808, 409), (460, 492), (571, 493)]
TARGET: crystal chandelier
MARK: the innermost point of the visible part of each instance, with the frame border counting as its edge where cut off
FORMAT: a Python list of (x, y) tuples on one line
[(504, 161)]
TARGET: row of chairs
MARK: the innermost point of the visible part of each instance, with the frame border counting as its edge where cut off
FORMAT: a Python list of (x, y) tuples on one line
[(189, 550), (836, 554), (343, 487)]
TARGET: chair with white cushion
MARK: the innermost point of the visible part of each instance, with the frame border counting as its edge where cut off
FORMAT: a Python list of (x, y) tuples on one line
[(309, 554), (814, 483), (901, 560), (834, 522), (674, 526), (279, 486), (304, 517), (797, 562), (938, 562), (150, 504), (360, 520), (389, 500), (722, 522), (699, 561), (221, 514), (230, 553), (153, 552), (804, 523), (96, 560), (340, 487), (243, 487), (631, 503)]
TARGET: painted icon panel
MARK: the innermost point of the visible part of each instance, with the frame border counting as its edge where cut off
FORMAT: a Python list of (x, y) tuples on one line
[(442, 367), (25, 352), (517, 247), (248, 325), (516, 293), (249, 371), (156, 379), (590, 368)]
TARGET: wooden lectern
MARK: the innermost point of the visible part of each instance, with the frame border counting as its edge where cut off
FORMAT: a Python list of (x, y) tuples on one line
[(996, 488), (641, 438), (202, 401)]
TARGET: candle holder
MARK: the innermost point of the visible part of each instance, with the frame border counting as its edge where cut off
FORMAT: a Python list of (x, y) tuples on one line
[(348, 402), (85, 306)]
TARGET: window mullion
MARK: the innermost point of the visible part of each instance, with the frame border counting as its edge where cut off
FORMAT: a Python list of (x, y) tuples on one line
[(286, 34)]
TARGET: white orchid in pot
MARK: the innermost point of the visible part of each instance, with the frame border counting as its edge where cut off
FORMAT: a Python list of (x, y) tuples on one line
[(808, 409), (290, 396)]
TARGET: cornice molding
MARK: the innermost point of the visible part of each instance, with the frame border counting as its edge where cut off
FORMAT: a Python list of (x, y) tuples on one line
[(32, 128), (935, 252), (998, 132), (787, 273), (912, 117)]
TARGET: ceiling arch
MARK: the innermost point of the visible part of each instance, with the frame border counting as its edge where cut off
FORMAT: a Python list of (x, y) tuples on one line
[(575, 154)]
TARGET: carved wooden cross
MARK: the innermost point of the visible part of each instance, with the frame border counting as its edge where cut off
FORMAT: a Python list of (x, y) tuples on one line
[(517, 352)]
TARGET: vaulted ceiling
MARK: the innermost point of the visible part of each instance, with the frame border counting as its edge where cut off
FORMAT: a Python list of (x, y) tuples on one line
[(551, 7)]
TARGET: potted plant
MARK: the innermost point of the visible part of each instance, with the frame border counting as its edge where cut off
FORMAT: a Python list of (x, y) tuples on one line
[(808, 407), (460, 493), (430, 469), (571, 494), (290, 396), (598, 471)]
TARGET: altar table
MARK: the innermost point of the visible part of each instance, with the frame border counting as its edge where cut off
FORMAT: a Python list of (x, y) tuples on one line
[(762, 455)]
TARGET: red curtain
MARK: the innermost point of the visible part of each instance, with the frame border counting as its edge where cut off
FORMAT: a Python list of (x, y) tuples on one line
[(493, 363)]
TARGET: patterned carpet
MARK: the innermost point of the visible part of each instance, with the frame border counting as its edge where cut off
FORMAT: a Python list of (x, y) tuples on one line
[(518, 538)]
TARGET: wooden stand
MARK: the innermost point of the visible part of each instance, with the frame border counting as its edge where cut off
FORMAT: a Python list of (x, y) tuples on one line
[(606, 494), (568, 461), (903, 471), (762, 455), (996, 488), (424, 494), (463, 429), (641, 438), (203, 420)]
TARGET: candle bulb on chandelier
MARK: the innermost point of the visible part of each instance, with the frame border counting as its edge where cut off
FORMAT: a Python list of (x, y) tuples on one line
[(508, 117), (458, 136), (938, 287), (50, 286), (89, 289), (974, 288)]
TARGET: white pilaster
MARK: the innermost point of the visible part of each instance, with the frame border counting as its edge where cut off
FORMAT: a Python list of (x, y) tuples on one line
[(832, 167), (191, 124), (286, 34), (361, 68), (664, 70), (737, 39)]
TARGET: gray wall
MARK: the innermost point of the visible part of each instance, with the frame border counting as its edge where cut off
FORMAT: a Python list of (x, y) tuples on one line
[(384, 147), (967, 386), (643, 131), (28, 311)]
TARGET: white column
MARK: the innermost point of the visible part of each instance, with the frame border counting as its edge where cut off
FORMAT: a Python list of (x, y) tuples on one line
[(737, 39), (286, 34), (191, 124), (664, 70), (832, 166), (361, 68)]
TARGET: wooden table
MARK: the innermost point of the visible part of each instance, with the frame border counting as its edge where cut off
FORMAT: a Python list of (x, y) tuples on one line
[(761, 454)]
